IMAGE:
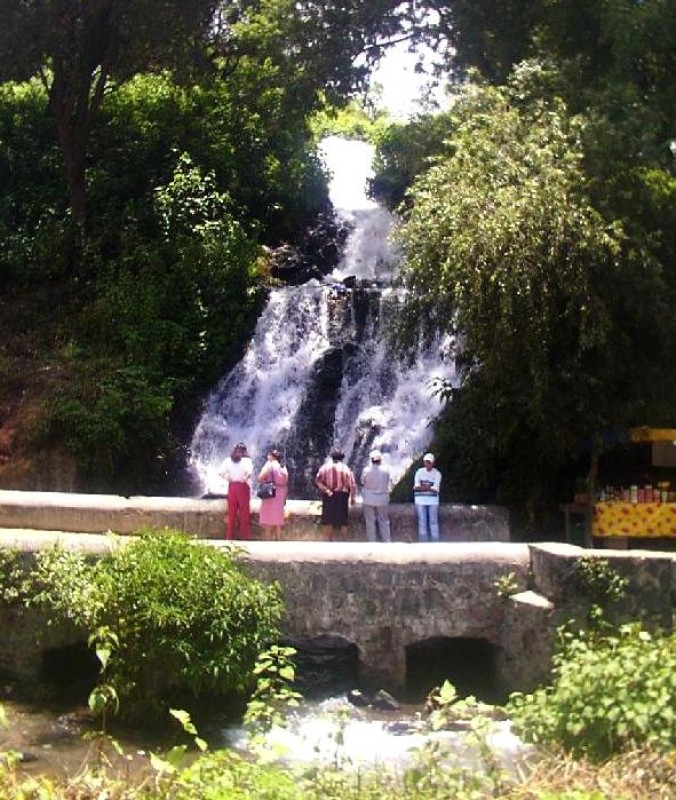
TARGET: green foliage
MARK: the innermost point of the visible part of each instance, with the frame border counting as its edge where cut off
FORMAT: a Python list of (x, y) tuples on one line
[(354, 121), (158, 299), (609, 694), (504, 249), (602, 589), (489, 35), (405, 152), (601, 582), (273, 696), (114, 421), (244, 132), (15, 584), (159, 322), (509, 243), (507, 585), (176, 758), (186, 620), (75, 50), (184, 298)]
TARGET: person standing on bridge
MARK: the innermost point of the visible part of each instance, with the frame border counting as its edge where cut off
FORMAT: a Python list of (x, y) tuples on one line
[(426, 483), (272, 508), (376, 482), (338, 487), (237, 469)]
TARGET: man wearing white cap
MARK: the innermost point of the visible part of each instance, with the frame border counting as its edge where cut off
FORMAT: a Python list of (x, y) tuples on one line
[(426, 483), (376, 482)]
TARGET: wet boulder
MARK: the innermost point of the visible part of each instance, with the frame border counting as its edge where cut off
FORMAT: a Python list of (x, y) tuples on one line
[(383, 701), (358, 698)]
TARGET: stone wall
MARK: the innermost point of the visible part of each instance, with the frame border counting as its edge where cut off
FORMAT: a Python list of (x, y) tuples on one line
[(386, 598), (92, 513)]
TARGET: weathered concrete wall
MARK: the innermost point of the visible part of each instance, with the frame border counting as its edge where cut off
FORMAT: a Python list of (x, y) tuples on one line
[(94, 513), (557, 594), (385, 598)]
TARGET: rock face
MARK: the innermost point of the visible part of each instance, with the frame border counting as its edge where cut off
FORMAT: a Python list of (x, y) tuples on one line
[(315, 255)]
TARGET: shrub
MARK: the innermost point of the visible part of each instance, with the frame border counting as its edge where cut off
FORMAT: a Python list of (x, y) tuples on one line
[(609, 694), (186, 620)]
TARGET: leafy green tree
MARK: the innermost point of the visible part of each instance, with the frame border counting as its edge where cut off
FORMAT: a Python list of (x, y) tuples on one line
[(489, 35), (75, 48), (404, 152), (503, 248), (158, 323)]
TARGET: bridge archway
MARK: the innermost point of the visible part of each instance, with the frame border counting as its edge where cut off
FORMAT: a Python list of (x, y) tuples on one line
[(325, 664), (70, 671), (470, 664)]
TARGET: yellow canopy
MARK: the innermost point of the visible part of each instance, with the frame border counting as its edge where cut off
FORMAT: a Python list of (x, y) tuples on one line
[(646, 434)]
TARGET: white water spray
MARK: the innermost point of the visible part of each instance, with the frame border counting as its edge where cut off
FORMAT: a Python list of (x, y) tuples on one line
[(381, 402)]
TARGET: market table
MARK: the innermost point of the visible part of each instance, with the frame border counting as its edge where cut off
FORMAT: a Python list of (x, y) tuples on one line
[(634, 519)]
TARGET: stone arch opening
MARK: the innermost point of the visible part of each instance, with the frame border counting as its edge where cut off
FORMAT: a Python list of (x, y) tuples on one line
[(469, 664), (69, 672), (325, 664)]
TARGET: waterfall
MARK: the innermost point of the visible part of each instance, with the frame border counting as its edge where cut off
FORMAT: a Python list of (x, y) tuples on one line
[(318, 371)]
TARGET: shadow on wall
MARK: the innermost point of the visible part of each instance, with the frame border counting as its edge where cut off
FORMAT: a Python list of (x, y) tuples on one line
[(469, 664), (325, 665), (69, 673)]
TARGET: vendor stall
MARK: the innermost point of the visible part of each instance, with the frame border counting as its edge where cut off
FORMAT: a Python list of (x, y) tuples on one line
[(645, 511)]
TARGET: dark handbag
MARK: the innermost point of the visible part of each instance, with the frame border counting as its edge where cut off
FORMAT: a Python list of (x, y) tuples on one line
[(266, 490)]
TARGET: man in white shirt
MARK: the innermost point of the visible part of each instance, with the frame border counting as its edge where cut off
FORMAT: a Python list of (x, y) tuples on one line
[(237, 469), (376, 484), (426, 483)]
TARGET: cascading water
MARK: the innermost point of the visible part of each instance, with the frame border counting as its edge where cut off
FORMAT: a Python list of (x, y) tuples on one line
[(319, 370)]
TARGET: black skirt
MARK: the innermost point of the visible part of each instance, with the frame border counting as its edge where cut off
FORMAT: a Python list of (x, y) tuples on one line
[(334, 508)]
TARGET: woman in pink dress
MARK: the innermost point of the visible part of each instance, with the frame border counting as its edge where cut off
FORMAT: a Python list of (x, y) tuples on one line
[(272, 508)]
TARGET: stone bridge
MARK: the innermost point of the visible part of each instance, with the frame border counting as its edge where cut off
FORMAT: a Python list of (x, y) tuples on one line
[(403, 608)]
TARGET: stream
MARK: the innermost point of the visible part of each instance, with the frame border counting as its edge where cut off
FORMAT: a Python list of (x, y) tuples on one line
[(56, 742)]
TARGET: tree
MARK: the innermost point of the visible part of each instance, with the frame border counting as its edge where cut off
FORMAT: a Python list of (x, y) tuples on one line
[(405, 151), (76, 48), (503, 248), (488, 35)]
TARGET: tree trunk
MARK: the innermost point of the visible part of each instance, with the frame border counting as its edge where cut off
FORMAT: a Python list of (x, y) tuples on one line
[(73, 144), (592, 477), (79, 73)]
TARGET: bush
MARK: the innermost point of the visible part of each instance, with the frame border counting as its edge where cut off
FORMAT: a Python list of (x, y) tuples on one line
[(185, 620), (609, 694)]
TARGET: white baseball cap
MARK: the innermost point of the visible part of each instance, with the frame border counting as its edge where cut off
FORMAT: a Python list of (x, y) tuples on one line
[(429, 457), (376, 455)]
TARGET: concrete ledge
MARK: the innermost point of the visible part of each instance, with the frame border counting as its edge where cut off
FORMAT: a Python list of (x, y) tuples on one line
[(649, 575), (97, 513)]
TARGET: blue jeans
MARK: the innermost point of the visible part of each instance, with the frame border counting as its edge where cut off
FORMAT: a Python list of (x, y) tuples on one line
[(428, 523)]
